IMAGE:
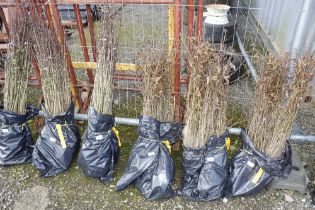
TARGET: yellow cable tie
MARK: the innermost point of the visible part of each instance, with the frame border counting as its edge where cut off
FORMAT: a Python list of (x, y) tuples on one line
[(258, 175), (117, 135), (61, 136), (167, 145), (228, 143)]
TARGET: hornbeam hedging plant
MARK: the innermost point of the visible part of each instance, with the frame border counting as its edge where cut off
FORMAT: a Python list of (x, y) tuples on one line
[(277, 102), (54, 73), (207, 95), (18, 65), (107, 57), (157, 85)]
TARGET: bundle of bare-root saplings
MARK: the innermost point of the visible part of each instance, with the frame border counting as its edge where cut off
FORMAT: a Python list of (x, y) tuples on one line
[(266, 152), (100, 148), (59, 138), (204, 161), (150, 166), (15, 136)]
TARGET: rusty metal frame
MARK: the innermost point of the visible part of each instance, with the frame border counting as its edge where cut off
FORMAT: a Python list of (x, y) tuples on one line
[(91, 29), (10, 3), (78, 18), (89, 72), (199, 21), (39, 9), (190, 31), (2, 15), (114, 1), (60, 33), (190, 22)]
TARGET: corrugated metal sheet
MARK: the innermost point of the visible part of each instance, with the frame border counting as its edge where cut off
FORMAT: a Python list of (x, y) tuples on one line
[(279, 20)]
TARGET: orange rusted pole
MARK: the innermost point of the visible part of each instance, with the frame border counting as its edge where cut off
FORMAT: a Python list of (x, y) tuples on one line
[(177, 59), (190, 30), (91, 28), (199, 21), (114, 1), (10, 3), (37, 69), (85, 53), (190, 22), (38, 5), (83, 41), (49, 19), (74, 84), (5, 23)]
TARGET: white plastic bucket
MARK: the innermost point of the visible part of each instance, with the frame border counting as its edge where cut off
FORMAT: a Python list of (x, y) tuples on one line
[(217, 14)]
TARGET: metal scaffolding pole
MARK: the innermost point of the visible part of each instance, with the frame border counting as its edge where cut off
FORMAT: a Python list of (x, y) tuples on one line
[(251, 68), (234, 131)]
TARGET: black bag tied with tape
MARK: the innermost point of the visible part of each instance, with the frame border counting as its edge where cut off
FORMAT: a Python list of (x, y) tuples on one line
[(57, 143), (252, 170), (205, 170), (16, 143), (150, 166), (100, 147)]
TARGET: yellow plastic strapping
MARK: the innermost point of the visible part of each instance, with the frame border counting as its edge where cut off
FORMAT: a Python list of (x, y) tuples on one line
[(258, 175), (117, 135), (61, 136), (228, 143), (167, 145)]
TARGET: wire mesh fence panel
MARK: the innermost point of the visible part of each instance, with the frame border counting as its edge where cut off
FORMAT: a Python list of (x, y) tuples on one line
[(142, 28), (261, 28)]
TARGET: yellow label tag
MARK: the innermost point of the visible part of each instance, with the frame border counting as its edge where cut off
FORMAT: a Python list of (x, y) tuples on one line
[(167, 145), (258, 175), (61, 136), (117, 135), (228, 143)]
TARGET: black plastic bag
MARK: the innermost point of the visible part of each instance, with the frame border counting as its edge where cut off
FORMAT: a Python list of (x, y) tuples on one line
[(150, 166), (205, 170), (16, 144), (100, 147), (57, 143), (251, 170)]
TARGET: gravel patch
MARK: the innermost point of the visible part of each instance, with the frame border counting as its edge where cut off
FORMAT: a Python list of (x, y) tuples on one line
[(36, 197)]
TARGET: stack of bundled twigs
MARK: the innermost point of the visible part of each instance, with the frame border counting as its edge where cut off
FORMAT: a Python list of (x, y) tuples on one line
[(205, 157), (158, 86), (265, 152), (59, 138), (107, 57), (277, 102), (16, 144), (207, 96), (54, 73), (150, 156), (100, 148), (18, 65)]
